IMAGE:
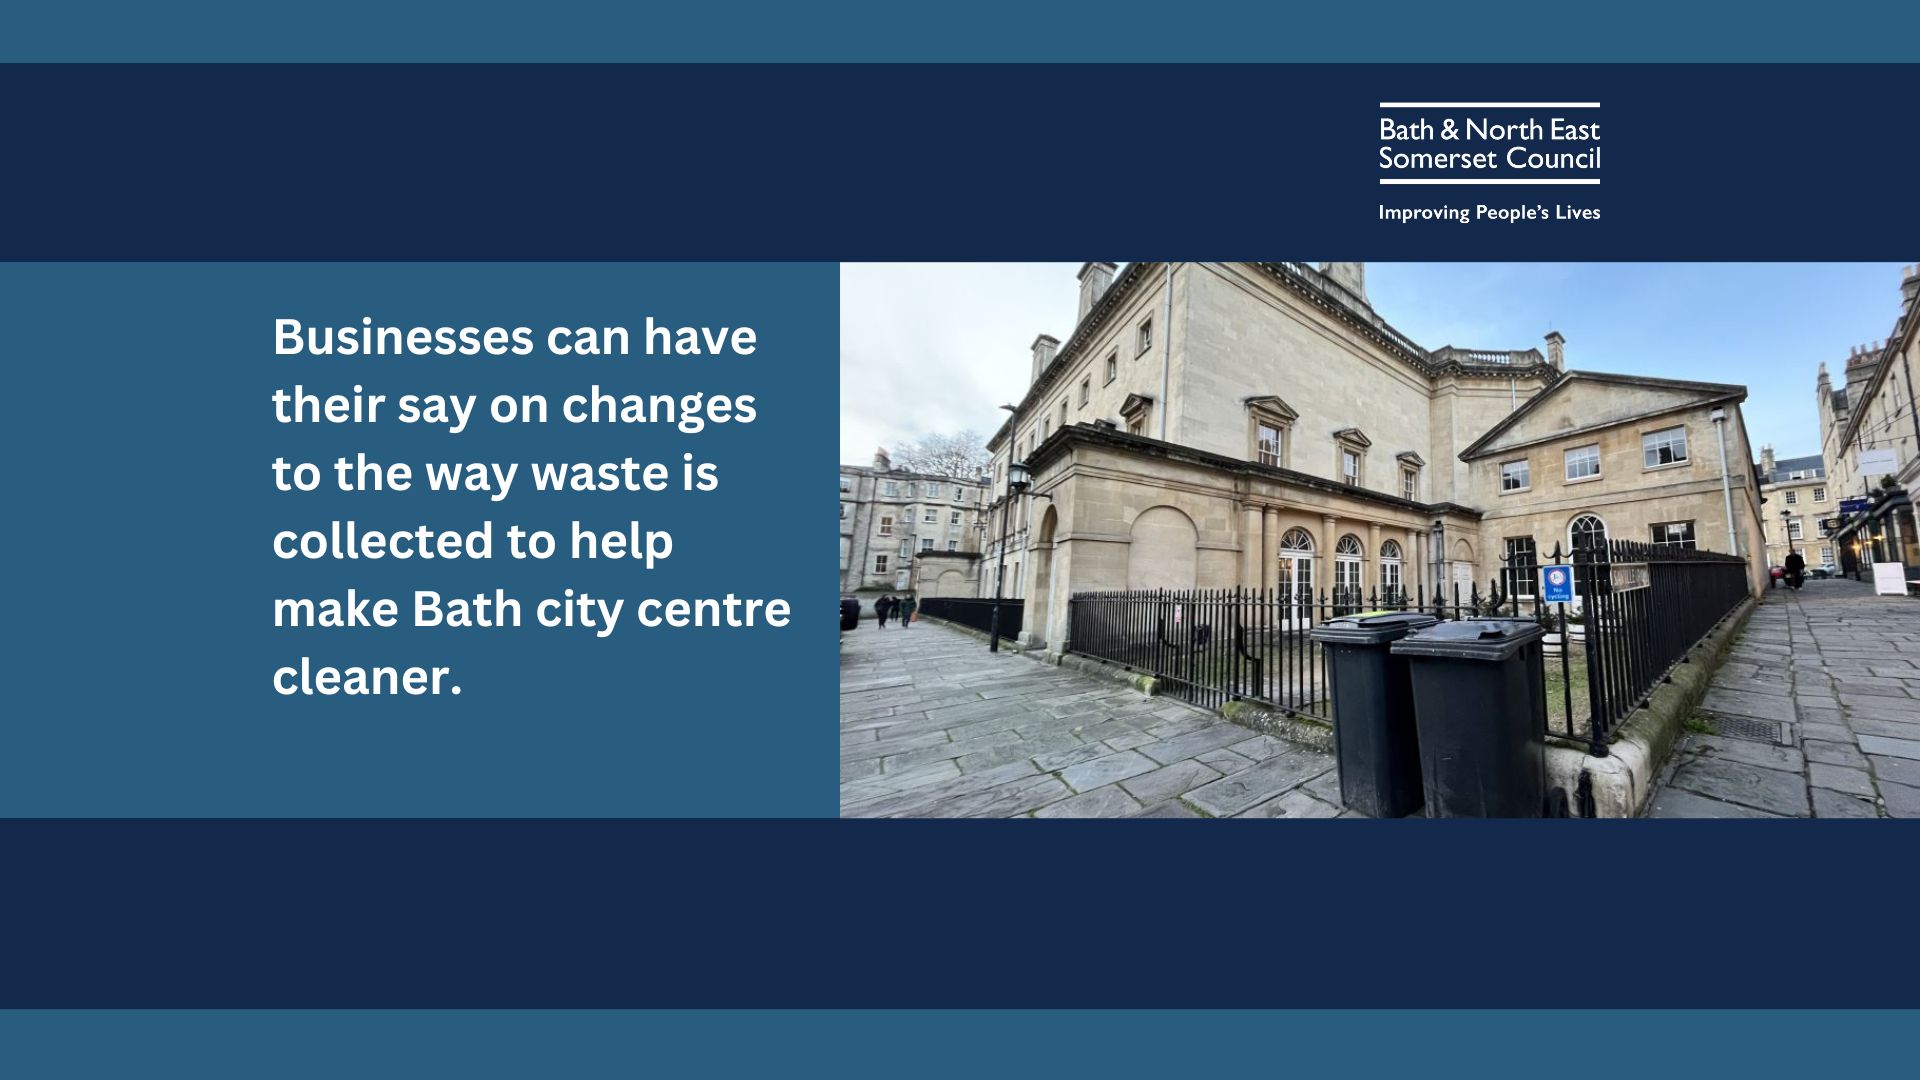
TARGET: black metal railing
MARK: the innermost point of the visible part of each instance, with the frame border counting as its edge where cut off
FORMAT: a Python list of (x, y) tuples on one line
[(977, 614), (1639, 609)]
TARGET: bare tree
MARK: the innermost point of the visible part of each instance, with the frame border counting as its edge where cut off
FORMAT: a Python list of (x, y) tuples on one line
[(962, 455)]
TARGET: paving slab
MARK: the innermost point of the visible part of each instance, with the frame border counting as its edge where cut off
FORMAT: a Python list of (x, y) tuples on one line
[(1106, 802), (1772, 790), (1842, 779), (1834, 804), (1902, 800), (1674, 803), (1248, 788)]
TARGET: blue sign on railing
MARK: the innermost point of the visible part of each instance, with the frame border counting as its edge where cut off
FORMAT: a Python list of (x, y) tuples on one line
[(1556, 584), (1854, 506)]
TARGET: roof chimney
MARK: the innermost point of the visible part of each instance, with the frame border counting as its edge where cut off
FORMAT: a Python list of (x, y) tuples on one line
[(1094, 279), (881, 462), (1766, 461), (1044, 348), (1910, 283), (1557, 349)]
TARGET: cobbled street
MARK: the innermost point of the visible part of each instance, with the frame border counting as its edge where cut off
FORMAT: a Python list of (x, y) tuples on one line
[(1840, 668), (934, 725)]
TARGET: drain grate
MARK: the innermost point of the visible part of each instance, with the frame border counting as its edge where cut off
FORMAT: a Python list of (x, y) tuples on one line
[(1743, 727)]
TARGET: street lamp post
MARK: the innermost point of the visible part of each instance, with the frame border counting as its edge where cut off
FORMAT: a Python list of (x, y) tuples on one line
[(1016, 483)]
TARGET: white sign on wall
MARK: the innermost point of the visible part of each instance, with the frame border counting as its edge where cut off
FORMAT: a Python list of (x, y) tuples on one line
[(1877, 462)]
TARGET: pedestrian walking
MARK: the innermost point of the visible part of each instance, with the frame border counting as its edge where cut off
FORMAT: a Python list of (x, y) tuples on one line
[(1796, 570), (882, 608), (908, 606)]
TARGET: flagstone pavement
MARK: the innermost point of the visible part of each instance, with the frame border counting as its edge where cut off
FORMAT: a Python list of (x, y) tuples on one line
[(1840, 668), (934, 725)]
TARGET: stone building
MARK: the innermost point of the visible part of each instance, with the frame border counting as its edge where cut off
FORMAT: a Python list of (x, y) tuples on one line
[(892, 518), (1260, 424), (1870, 437), (1799, 504)]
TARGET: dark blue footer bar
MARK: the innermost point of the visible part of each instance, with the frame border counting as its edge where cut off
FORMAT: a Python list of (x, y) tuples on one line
[(746, 914)]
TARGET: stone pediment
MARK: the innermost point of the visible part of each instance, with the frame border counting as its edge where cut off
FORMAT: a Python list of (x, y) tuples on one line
[(1270, 403), (1408, 457), (1352, 435), (1135, 405), (1589, 401)]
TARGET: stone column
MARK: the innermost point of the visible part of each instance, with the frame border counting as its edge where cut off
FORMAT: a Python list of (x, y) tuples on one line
[(1270, 549), (1413, 561), (1372, 571), (1329, 536), (1251, 545)]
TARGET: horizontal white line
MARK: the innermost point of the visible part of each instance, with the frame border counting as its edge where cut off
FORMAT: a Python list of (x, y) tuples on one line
[(1462, 180), (1489, 104)]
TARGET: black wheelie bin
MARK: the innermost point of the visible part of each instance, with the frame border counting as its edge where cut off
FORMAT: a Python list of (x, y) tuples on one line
[(1479, 689), (1374, 738)]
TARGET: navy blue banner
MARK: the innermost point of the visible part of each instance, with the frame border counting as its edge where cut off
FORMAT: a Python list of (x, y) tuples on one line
[(822, 914), (846, 163)]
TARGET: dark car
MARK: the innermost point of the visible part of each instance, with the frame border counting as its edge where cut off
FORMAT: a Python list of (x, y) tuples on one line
[(849, 613)]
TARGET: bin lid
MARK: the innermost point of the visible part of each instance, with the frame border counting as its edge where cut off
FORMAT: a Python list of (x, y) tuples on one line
[(1370, 627), (1472, 639)]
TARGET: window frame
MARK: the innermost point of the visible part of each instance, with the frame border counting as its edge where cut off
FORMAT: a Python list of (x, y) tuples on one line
[(1692, 542), (1567, 461), (1409, 483), (880, 562), (1514, 575), (1647, 447), (1113, 367), (885, 526), (1526, 474), (1143, 337), (1793, 498)]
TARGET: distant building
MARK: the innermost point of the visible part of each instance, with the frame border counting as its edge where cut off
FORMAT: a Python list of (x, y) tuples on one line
[(1870, 437), (1260, 425), (890, 519), (1799, 505)]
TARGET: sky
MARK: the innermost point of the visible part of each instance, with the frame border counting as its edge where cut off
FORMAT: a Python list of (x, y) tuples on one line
[(937, 347)]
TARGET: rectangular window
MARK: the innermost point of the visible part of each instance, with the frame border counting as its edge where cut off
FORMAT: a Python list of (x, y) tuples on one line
[(1410, 485), (930, 516), (1826, 554), (1819, 494), (890, 489), (846, 485), (1113, 366), (953, 545), (1146, 335), (879, 564), (954, 519), (1582, 462), (1086, 391), (906, 549), (1667, 446), (1521, 566), (1046, 429), (886, 525), (1677, 534), (1269, 445), (843, 511), (1793, 498), (1063, 412), (1793, 530), (926, 544), (913, 490), (1350, 466), (1513, 476)]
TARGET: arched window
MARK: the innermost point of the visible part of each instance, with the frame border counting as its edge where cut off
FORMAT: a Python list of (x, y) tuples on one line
[(1346, 574), (1587, 531), (1296, 540), (1389, 572)]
